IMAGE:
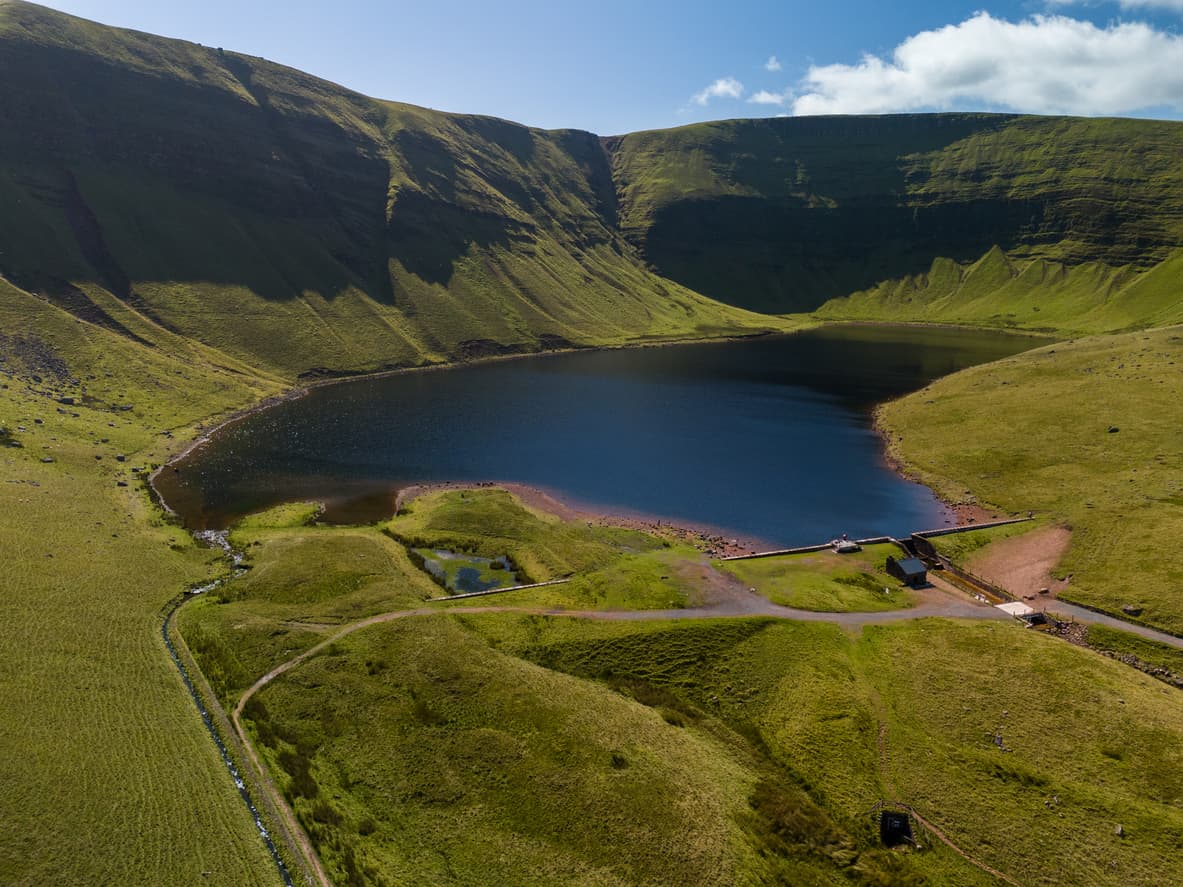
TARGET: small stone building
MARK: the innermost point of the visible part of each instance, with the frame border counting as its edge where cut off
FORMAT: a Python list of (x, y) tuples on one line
[(909, 570)]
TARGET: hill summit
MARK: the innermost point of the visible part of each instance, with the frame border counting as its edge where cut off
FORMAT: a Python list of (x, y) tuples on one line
[(158, 187)]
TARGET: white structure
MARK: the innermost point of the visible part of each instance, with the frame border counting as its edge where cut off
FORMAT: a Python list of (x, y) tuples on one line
[(1016, 609)]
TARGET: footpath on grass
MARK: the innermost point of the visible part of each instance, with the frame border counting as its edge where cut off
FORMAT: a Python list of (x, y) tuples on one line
[(729, 598)]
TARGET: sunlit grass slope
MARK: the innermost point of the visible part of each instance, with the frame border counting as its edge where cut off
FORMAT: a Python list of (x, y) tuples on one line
[(815, 698), (783, 214), (107, 774), (1035, 294), (721, 751), (1085, 432), (733, 751), (298, 225)]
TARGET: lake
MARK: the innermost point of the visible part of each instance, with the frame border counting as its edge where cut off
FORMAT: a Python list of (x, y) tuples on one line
[(766, 438)]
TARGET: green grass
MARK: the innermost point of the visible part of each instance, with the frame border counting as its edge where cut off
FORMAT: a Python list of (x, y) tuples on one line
[(491, 523), (402, 729), (108, 774), (303, 582), (1123, 643), (786, 214), (1120, 492), (456, 763), (1092, 745), (958, 547), (302, 227), (1032, 294), (279, 517), (185, 231), (814, 697), (826, 581)]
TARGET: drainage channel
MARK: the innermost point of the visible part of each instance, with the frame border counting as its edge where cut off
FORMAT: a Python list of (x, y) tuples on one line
[(243, 791)]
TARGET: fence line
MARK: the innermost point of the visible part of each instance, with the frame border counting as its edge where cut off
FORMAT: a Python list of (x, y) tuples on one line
[(488, 591), (967, 528)]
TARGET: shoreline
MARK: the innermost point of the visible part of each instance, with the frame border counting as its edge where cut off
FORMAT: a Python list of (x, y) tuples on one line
[(206, 433), (964, 513), (727, 541), (713, 541)]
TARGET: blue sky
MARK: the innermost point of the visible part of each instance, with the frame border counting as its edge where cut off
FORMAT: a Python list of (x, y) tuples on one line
[(614, 67)]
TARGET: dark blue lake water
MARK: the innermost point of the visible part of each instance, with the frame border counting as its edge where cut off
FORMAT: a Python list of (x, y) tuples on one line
[(768, 438)]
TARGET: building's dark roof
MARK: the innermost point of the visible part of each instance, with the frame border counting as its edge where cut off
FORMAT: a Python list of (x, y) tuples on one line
[(912, 566)]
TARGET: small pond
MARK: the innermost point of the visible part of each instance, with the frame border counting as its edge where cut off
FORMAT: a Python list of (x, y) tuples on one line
[(460, 573)]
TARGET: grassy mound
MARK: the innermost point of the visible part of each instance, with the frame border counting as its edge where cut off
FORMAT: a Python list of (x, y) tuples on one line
[(826, 581), (1089, 439), (740, 751)]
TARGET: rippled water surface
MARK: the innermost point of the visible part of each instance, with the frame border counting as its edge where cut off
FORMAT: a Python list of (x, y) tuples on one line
[(768, 438)]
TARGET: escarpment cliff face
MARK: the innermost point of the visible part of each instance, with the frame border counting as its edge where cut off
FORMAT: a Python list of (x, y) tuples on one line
[(784, 214), (162, 188), (298, 225)]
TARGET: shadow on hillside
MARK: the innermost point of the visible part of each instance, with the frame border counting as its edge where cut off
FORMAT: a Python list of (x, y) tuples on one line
[(779, 257), (190, 181)]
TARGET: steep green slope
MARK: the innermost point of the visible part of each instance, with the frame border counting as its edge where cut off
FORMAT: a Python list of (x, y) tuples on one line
[(301, 226), (784, 214), (297, 225), (1037, 294)]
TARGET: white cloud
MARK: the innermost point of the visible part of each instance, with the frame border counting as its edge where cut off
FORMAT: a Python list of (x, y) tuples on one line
[(723, 88), (764, 97), (1177, 5), (1044, 64), (773, 63)]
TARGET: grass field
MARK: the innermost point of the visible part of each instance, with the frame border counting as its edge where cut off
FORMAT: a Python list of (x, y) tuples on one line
[(184, 231), (434, 733), (1089, 439), (108, 774), (826, 581)]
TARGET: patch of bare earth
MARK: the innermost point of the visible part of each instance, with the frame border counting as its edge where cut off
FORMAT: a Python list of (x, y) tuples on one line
[(1023, 565)]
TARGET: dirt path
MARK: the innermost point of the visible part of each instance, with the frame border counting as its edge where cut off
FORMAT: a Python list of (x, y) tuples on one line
[(726, 596), (1023, 564), (883, 756)]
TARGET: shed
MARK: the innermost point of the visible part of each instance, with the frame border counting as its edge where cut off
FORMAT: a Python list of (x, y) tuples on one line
[(910, 570), (895, 828)]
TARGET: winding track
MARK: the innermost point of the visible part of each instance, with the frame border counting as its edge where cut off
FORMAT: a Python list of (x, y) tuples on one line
[(731, 599)]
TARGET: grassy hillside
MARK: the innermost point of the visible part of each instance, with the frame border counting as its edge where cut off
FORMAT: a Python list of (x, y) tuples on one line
[(1086, 432), (302, 227), (1036, 294), (108, 775), (297, 225), (711, 751), (785, 214), (185, 230), (728, 751)]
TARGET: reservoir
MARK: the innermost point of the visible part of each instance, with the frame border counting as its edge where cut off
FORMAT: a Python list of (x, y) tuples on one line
[(767, 438)]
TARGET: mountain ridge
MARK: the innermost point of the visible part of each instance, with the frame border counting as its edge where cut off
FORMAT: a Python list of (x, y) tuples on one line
[(302, 227)]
